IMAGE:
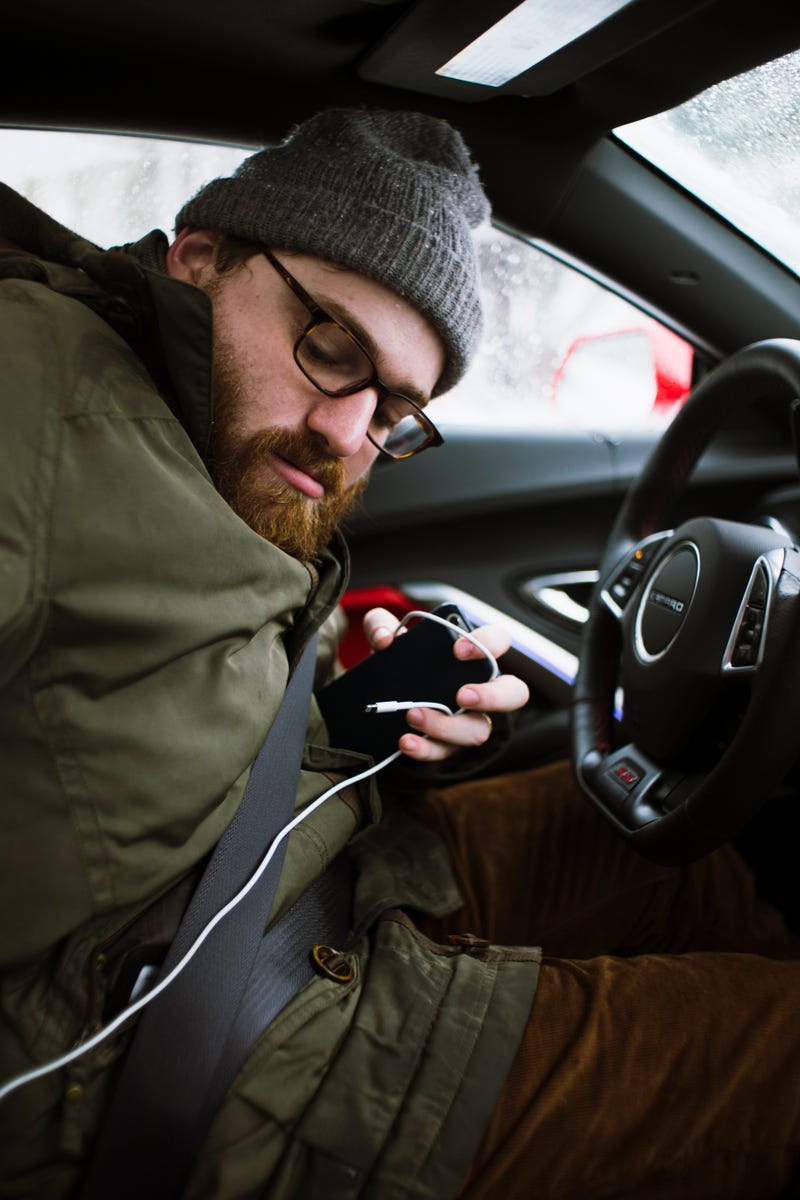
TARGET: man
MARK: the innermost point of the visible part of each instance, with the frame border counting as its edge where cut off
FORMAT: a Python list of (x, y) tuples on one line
[(148, 630), (161, 573)]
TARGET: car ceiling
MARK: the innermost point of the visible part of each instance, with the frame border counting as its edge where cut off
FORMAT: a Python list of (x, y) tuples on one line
[(245, 71)]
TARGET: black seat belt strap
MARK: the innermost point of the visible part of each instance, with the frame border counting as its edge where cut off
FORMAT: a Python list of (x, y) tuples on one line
[(193, 1037)]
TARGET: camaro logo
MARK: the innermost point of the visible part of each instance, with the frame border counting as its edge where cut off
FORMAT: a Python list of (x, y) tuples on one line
[(665, 601)]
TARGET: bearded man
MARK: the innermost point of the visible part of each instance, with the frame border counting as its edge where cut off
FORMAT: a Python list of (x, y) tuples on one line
[(169, 545)]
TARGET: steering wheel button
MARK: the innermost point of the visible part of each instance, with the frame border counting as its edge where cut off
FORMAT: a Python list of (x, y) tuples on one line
[(625, 775)]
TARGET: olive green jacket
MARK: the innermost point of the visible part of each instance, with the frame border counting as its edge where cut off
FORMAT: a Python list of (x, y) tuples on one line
[(146, 636)]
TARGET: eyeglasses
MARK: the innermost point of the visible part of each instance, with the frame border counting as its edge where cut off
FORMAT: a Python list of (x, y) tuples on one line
[(333, 359)]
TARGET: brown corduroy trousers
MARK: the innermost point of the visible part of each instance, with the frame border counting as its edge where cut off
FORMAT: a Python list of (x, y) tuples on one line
[(661, 1060)]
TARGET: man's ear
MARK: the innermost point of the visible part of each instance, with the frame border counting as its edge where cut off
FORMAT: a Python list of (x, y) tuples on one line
[(192, 254)]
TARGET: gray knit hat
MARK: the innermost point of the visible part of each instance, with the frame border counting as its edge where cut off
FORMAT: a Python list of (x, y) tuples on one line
[(392, 195)]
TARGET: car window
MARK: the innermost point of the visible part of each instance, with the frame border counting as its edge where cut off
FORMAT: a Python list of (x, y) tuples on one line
[(110, 188), (559, 351), (746, 128)]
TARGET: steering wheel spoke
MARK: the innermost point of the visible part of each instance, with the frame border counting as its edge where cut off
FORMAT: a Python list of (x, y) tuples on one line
[(621, 583), (633, 787), (744, 652)]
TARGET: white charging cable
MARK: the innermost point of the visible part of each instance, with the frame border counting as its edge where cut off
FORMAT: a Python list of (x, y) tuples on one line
[(93, 1042), (456, 630), (393, 706)]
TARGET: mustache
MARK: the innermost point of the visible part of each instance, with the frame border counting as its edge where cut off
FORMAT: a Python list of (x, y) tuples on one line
[(241, 461), (300, 450)]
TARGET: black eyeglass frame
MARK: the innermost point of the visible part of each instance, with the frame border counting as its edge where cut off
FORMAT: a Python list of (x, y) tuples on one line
[(320, 317)]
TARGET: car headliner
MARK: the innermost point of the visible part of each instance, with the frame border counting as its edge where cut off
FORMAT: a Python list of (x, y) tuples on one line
[(245, 72)]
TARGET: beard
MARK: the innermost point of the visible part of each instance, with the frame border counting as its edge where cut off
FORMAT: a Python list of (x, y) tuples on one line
[(239, 465)]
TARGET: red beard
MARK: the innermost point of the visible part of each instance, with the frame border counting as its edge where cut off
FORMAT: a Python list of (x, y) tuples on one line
[(297, 524)]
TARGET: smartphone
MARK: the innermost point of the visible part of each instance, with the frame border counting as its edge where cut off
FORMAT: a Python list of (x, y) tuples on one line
[(418, 665)]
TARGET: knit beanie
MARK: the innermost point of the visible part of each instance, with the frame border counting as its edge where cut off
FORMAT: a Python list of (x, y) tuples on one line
[(392, 195)]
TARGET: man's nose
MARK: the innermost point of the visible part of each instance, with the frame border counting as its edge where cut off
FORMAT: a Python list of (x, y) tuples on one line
[(342, 421)]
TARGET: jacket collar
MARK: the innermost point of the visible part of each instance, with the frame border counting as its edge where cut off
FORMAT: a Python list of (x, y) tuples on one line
[(183, 320), (167, 322)]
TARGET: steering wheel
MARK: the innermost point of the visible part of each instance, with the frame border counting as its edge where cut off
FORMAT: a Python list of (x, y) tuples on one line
[(685, 711)]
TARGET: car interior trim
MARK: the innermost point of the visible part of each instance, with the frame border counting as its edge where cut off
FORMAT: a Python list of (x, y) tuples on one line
[(539, 650), (753, 615), (557, 594)]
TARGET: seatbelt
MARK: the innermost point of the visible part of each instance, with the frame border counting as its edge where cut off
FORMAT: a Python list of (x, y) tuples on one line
[(193, 1038)]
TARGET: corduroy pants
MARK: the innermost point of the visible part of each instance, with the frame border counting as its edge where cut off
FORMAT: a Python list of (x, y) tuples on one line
[(661, 1060)]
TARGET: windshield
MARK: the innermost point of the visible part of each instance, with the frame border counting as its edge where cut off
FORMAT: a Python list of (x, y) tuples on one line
[(737, 147)]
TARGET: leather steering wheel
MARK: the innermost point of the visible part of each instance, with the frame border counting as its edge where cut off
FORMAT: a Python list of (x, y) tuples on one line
[(695, 632)]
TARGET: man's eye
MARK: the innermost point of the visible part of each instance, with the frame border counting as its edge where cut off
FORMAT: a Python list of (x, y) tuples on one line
[(328, 348), (317, 353)]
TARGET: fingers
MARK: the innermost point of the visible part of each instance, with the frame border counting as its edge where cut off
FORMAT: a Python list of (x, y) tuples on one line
[(420, 750), (506, 693), (436, 736), (379, 627), (496, 641)]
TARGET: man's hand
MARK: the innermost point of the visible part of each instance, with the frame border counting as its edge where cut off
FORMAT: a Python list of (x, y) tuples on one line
[(445, 735)]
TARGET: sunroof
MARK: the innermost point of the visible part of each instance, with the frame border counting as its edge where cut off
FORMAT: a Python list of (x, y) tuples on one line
[(737, 147)]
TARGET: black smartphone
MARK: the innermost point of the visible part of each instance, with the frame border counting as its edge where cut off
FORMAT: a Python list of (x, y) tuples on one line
[(418, 665)]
